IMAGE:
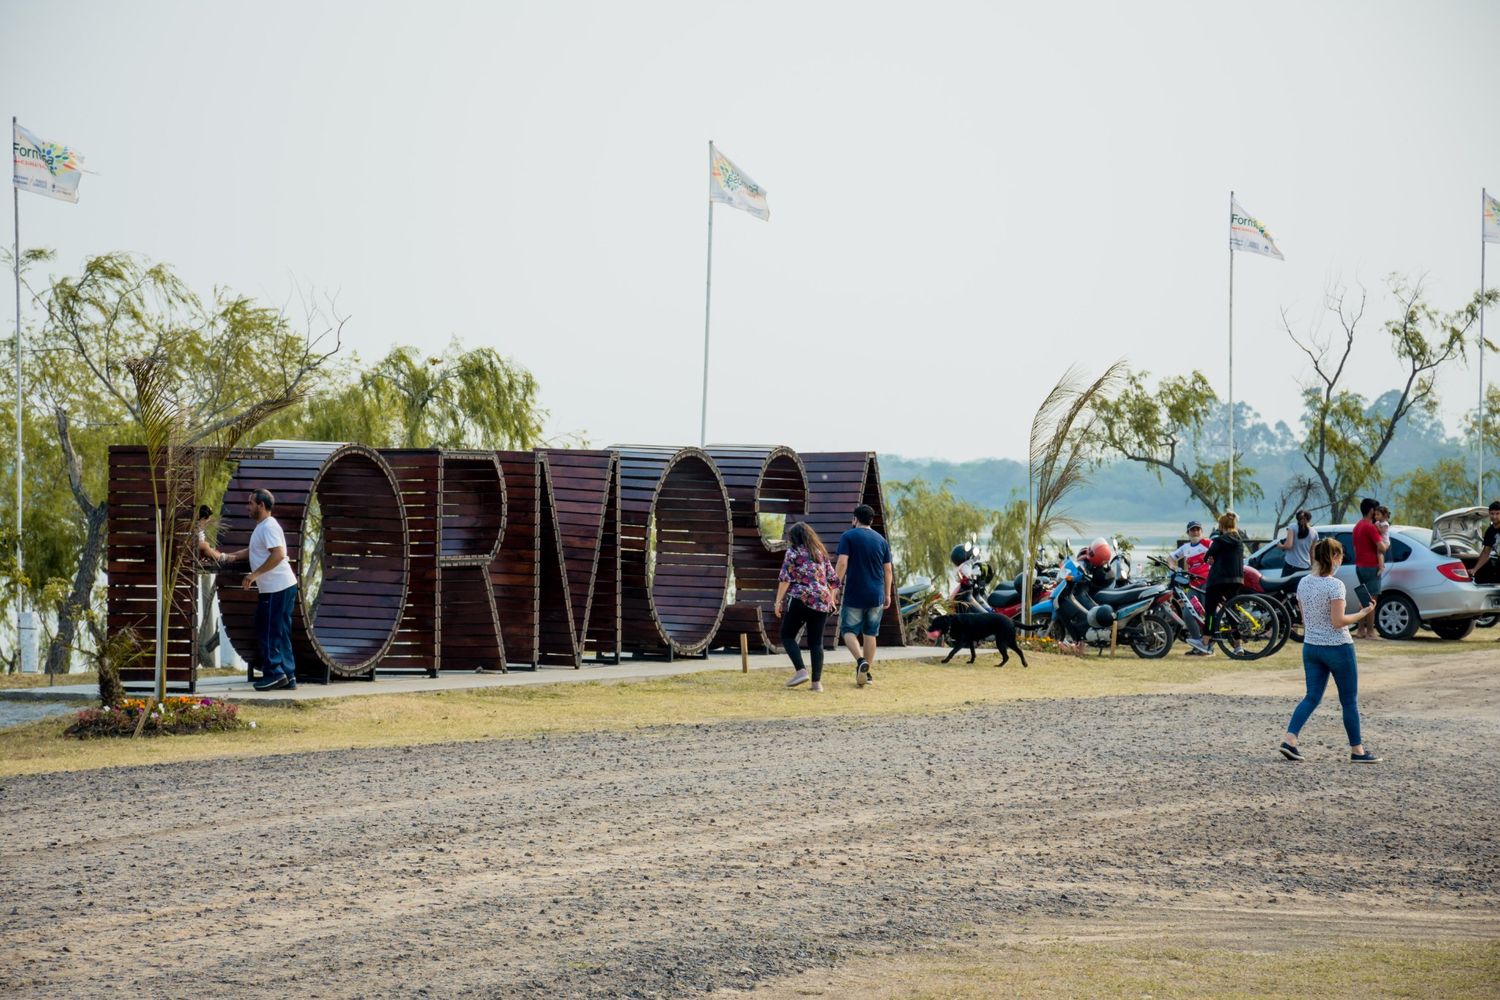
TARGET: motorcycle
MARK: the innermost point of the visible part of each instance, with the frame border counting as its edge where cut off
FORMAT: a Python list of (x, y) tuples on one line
[(1137, 616), (1005, 599), (917, 602), (975, 577)]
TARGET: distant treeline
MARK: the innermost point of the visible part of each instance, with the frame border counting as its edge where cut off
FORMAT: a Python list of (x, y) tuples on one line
[(1122, 491)]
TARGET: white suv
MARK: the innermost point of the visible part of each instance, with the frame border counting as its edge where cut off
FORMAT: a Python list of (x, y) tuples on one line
[(1421, 587)]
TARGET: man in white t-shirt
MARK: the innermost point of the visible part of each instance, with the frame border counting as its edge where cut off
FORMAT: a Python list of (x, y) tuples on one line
[(272, 577)]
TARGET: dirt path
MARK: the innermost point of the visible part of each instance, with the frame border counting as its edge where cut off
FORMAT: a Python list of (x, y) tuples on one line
[(674, 861), (1450, 686)]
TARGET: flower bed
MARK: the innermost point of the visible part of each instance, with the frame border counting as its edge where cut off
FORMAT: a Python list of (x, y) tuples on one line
[(168, 717)]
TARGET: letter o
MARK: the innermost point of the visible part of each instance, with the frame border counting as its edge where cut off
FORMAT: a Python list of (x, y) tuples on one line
[(348, 613), (675, 541)]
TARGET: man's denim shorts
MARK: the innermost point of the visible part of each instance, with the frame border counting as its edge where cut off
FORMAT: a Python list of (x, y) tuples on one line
[(1370, 577), (859, 621)]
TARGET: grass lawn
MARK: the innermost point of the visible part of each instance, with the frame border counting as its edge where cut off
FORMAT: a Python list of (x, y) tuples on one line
[(902, 688)]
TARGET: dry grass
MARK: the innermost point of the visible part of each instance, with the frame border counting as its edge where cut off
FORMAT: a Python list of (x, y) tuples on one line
[(1333, 970), (389, 720), (14, 681)]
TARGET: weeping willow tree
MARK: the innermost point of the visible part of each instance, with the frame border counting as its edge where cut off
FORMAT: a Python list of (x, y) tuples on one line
[(1060, 454), (213, 367)]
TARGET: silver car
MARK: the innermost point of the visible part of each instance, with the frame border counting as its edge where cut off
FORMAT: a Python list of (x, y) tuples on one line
[(1422, 588)]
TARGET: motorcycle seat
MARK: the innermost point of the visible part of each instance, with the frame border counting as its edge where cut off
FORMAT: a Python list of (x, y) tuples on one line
[(1285, 583), (1004, 597), (912, 589), (1118, 597)]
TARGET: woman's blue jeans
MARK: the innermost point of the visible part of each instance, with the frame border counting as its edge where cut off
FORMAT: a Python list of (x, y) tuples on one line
[(1318, 662)]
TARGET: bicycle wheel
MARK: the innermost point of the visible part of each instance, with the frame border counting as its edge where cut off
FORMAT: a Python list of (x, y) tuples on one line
[(1283, 627), (1247, 627), (1294, 613)]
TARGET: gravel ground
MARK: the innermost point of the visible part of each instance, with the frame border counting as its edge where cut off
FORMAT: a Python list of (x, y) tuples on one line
[(675, 861)]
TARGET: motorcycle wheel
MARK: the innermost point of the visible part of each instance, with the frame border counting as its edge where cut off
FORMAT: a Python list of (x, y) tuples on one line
[(1154, 636), (1255, 619)]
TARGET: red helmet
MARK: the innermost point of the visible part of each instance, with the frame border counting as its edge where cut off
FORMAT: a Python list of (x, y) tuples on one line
[(1100, 553)]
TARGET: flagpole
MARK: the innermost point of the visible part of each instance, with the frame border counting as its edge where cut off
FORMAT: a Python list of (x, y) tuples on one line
[(1028, 568), (1231, 358), (15, 194), (1479, 480), (708, 288)]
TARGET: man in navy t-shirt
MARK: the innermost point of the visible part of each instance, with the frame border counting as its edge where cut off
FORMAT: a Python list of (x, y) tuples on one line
[(865, 576)]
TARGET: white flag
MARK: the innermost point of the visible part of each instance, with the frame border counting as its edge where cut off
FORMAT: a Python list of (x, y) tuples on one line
[(727, 183), (1245, 233), (45, 167), (1491, 218)]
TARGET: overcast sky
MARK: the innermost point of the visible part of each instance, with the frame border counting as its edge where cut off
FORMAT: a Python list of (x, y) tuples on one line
[(965, 198)]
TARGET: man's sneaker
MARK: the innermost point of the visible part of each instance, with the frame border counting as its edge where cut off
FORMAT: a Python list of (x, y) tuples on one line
[(270, 682), (1290, 752), (816, 686), (800, 677), (1368, 757), (861, 674)]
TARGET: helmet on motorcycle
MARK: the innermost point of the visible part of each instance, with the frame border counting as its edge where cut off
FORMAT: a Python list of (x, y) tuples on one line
[(961, 554), (1101, 616), (1099, 552)]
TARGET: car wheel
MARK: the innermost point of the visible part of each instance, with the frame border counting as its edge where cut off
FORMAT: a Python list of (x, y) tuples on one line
[(1487, 621), (1396, 617), (1453, 628)]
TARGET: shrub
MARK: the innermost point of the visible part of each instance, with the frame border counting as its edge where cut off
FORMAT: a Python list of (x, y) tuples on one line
[(169, 716)]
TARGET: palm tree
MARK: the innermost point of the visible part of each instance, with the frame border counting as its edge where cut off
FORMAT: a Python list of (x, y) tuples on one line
[(183, 460), (1060, 453)]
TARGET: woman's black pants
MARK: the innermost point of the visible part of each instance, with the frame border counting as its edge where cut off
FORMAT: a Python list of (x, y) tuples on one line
[(793, 618)]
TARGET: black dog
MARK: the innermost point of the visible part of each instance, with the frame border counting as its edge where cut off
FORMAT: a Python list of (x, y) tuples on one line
[(969, 629)]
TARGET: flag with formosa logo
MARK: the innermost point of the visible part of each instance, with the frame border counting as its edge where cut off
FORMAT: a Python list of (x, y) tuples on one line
[(1246, 233), (729, 184), (46, 168)]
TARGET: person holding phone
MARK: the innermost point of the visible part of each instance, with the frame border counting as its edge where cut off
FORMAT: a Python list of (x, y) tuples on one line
[(1327, 650)]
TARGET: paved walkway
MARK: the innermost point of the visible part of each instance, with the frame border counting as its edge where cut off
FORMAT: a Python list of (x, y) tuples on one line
[(238, 689)]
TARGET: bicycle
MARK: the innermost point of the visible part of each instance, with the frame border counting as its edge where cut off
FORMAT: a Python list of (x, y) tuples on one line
[(1249, 627)]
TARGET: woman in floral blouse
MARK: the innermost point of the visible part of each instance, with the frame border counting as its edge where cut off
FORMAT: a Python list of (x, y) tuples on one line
[(808, 593)]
